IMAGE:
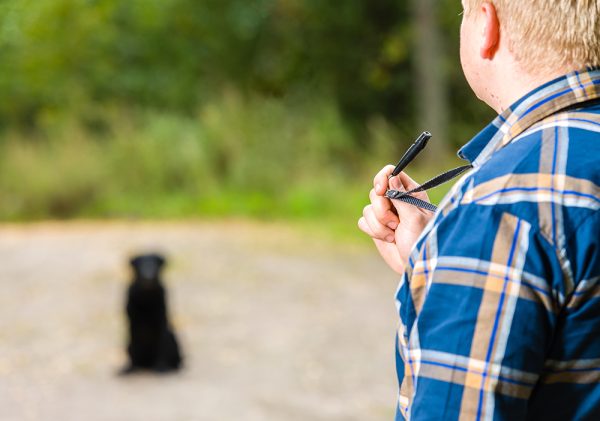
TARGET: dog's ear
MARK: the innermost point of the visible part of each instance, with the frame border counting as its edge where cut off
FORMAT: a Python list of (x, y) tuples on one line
[(135, 261), (160, 260)]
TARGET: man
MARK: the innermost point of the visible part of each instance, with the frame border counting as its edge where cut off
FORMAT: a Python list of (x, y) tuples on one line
[(500, 296)]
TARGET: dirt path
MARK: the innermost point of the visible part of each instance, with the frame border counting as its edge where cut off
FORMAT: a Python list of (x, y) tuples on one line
[(275, 324)]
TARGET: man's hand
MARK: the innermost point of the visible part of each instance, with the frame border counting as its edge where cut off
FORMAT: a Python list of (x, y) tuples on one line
[(393, 225)]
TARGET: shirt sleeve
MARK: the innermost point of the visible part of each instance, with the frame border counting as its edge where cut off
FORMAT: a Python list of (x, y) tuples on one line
[(478, 311)]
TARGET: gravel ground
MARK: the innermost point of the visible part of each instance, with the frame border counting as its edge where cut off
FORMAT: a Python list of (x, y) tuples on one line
[(274, 323)]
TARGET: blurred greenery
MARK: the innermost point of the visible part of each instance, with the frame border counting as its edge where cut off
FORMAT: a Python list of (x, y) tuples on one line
[(179, 108)]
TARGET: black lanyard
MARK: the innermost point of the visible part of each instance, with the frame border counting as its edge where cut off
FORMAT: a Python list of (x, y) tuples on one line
[(409, 155)]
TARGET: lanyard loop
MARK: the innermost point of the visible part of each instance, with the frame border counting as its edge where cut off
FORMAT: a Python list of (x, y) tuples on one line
[(406, 196), (409, 155)]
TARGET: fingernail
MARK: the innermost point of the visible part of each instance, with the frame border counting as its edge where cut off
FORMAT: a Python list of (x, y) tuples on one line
[(377, 187), (392, 225), (390, 238)]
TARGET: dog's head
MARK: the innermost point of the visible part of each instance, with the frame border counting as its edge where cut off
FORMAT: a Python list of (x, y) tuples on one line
[(147, 267)]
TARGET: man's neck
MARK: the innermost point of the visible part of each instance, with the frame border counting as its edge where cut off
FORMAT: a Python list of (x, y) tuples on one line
[(515, 84)]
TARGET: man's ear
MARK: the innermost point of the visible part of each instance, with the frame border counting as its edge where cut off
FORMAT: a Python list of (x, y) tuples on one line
[(490, 38)]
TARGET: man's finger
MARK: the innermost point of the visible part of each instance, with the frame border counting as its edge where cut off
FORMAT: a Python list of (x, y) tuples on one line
[(380, 182), (383, 209), (403, 182), (412, 217), (364, 227), (380, 231)]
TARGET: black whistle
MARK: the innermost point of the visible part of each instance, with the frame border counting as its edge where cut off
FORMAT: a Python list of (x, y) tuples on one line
[(411, 153)]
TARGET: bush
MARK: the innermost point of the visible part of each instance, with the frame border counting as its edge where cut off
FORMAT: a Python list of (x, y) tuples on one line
[(238, 156)]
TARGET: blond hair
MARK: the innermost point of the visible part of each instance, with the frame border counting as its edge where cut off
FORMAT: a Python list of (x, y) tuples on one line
[(550, 35)]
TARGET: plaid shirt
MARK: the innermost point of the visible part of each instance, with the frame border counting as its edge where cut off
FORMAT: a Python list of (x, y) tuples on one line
[(500, 302)]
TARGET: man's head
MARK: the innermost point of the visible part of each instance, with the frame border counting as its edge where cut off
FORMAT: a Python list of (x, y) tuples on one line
[(540, 38)]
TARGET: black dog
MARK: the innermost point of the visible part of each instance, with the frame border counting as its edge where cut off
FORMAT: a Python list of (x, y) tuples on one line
[(152, 343)]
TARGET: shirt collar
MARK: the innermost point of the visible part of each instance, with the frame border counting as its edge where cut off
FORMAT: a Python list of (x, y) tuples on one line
[(564, 92)]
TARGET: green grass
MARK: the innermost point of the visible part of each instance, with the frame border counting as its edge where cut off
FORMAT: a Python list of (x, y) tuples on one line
[(267, 159)]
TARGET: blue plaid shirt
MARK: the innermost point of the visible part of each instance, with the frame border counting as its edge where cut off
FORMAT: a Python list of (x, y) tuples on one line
[(500, 302)]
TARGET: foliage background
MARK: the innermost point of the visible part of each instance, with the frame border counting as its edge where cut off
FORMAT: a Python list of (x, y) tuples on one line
[(180, 108)]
